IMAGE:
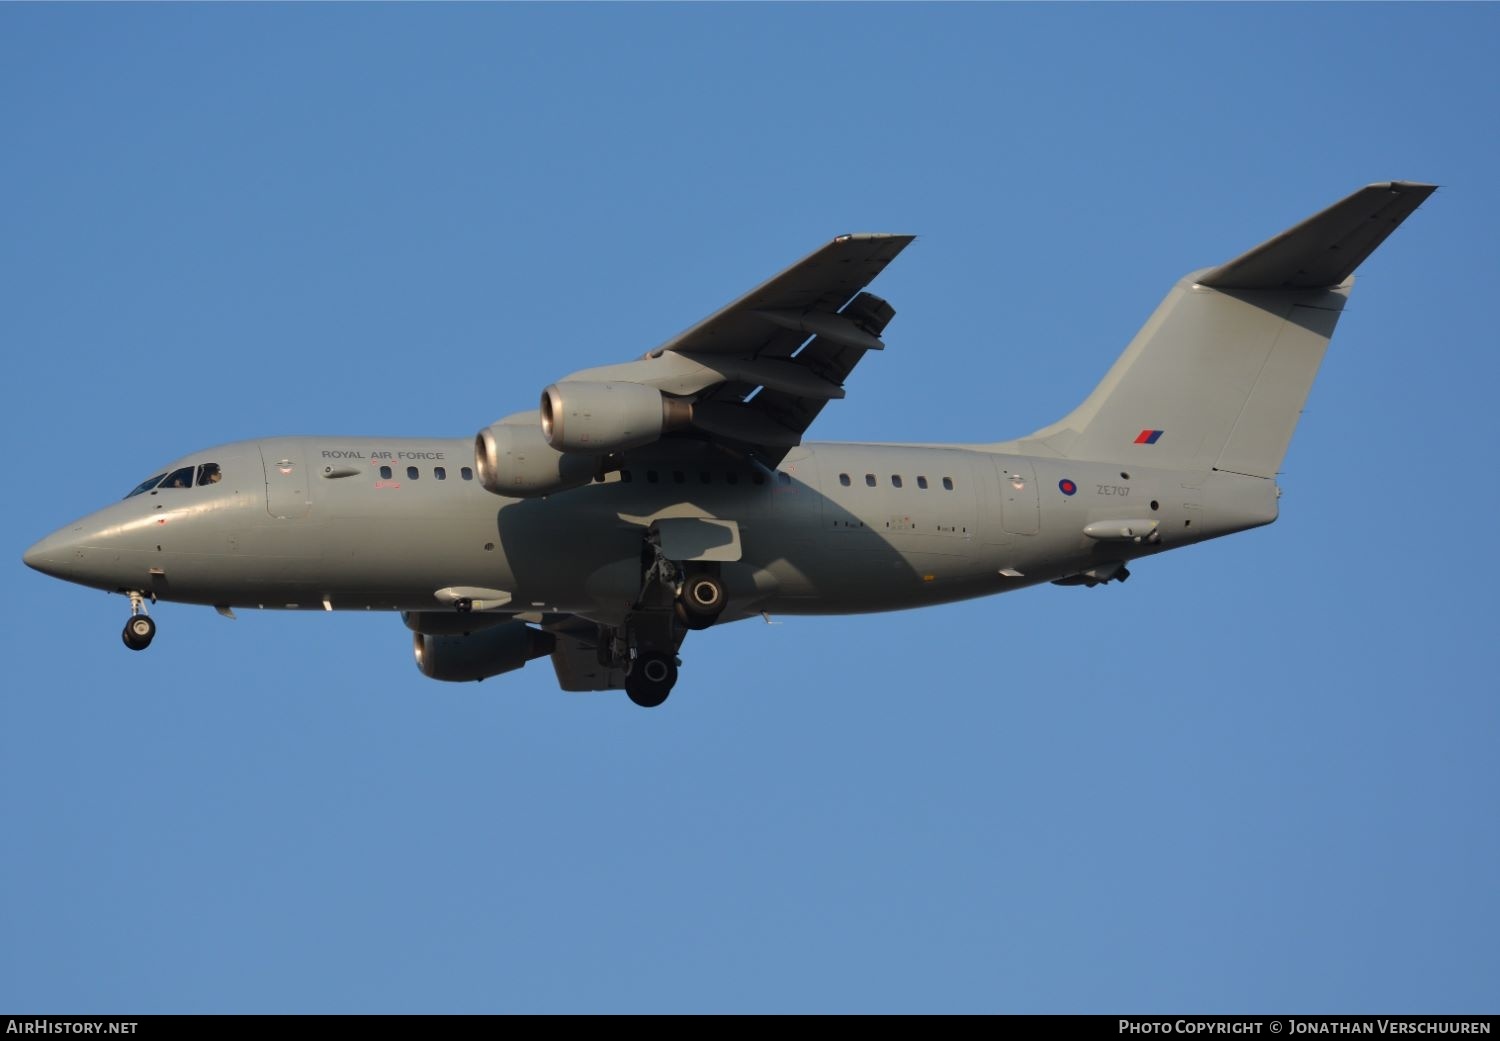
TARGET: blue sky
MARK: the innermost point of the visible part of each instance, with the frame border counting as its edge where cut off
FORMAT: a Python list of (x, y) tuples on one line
[(1259, 777)]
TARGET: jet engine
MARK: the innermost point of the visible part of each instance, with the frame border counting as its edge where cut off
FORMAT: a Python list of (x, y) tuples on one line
[(579, 416), (479, 655), (516, 460)]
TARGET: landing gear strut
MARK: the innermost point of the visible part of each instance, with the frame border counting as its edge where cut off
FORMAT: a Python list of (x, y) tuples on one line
[(674, 596), (140, 630)]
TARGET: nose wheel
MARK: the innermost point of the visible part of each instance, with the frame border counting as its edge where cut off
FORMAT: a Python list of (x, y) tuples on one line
[(140, 630)]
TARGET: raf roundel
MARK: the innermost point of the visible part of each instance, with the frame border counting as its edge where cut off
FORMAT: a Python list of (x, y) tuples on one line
[(1066, 486)]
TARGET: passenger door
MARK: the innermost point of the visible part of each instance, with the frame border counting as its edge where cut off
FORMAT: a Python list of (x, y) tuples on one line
[(288, 489), (1020, 506)]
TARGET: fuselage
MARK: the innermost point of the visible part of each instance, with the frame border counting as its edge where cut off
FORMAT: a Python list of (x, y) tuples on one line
[(360, 523)]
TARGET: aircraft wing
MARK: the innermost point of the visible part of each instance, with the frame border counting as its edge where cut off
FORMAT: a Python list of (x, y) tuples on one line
[(817, 288), (758, 371)]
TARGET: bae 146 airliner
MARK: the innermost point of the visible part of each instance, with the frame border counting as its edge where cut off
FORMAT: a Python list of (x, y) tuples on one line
[(647, 499)]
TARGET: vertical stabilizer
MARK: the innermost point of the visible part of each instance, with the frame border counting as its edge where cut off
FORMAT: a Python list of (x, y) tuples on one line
[(1218, 376)]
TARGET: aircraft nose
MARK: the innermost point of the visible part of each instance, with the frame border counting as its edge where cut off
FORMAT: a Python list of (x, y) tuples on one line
[(58, 555)]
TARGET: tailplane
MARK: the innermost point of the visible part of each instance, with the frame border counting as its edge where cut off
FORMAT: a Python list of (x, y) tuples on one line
[(1217, 377)]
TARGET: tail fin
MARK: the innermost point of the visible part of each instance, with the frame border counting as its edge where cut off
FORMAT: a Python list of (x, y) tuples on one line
[(1218, 375)]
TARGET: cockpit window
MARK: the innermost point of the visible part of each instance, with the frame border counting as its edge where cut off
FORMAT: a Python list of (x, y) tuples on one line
[(182, 477), (146, 485)]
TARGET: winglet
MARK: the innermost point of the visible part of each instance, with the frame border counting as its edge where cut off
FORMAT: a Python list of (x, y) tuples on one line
[(1325, 249)]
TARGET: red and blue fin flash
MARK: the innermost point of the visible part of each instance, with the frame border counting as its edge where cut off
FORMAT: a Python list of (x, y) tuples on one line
[(1149, 437)]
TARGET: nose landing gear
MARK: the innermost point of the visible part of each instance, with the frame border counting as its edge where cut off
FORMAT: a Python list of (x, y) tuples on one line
[(140, 630)]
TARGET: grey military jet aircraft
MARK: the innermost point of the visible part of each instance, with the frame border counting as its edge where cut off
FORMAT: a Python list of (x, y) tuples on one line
[(647, 499)]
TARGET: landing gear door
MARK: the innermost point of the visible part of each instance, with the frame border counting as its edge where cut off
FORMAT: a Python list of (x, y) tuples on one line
[(699, 538), (288, 490), (1020, 508)]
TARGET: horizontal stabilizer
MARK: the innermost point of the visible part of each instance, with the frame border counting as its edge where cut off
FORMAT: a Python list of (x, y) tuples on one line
[(1325, 249)]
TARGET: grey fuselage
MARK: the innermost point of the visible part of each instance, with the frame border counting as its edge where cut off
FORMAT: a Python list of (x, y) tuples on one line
[(314, 523)]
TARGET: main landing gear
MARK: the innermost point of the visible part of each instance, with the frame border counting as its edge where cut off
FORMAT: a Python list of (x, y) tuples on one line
[(700, 601), (140, 630), (674, 597), (650, 679)]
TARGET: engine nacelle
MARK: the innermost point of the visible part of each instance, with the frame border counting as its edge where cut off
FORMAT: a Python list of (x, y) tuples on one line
[(517, 461), (608, 417), (479, 655)]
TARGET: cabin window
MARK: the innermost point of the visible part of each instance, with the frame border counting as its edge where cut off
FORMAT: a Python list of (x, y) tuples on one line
[(895, 480), (948, 484), (732, 477), (385, 472), (412, 473), (626, 476), (922, 482), (209, 473), (705, 477), (179, 478), (758, 477), (678, 477), (844, 480), (466, 473), (440, 472), (652, 476), (869, 480)]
